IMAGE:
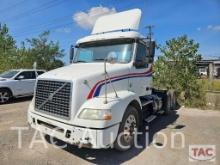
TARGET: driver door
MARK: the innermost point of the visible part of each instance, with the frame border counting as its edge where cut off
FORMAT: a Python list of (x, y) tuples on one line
[(25, 83), (140, 81)]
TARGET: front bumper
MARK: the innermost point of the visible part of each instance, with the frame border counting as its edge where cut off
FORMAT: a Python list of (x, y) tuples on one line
[(86, 137)]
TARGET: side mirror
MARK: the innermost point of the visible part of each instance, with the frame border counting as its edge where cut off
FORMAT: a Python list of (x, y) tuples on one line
[(20, 77), (150, 59), (151, 45), (71, 53), (139, 64)]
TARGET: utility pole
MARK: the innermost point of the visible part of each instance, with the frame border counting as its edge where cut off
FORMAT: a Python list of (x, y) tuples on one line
[(211, 75), (149, 38), (150, 33)]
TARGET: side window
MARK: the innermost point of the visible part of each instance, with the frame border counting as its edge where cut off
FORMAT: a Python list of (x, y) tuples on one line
[(40, 72), (141, 57), (33, 75), (27, 75)]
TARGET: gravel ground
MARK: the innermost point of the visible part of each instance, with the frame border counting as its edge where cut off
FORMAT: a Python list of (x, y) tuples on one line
[(198, 127)]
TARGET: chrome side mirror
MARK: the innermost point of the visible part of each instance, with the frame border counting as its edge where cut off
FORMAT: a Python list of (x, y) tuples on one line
[(71, 53), (151, 46)]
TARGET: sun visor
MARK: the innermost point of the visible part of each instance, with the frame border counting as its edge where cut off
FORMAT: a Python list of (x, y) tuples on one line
[(124, 20)]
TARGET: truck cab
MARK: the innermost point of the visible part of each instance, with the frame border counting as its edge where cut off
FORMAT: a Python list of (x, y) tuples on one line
[(99, 99)]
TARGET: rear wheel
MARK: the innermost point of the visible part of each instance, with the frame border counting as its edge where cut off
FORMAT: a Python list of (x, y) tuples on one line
[(5, 96), (127, 130)]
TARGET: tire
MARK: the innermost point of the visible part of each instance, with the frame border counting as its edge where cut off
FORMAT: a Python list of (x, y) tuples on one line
[(5, 96), (129, 125)]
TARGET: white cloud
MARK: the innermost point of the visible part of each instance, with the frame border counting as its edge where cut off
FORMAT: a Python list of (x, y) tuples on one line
[(87, 19), (63, 30), (214, 27)]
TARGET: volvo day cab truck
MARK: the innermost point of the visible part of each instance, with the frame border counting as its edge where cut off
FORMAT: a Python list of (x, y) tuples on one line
[(102, 98)]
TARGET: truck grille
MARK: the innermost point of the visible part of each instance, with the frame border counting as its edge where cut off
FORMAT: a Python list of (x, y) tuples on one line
[(53, 98)]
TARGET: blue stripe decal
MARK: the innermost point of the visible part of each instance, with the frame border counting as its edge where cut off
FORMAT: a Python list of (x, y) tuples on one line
[(98, 89)]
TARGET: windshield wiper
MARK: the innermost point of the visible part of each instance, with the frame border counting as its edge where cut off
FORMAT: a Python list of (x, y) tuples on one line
[(78, 61)]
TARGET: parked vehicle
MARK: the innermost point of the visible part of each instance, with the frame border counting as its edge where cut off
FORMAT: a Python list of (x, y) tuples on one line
[(105, 91), (203, 71), (17, 83)]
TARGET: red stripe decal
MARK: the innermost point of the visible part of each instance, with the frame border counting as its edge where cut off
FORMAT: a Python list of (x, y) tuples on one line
[(130, 74)]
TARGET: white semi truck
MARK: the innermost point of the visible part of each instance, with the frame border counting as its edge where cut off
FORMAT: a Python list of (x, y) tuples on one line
[(102, 98)]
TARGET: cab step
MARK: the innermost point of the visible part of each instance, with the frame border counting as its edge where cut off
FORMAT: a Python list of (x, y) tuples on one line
[(146, 102), (160, 112), (150, 118)]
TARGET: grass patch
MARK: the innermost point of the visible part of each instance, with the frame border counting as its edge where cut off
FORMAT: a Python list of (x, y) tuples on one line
[(213, 100), (208, 85)]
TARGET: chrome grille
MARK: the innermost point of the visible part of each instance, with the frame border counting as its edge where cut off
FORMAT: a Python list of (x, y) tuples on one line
[(53, 98)]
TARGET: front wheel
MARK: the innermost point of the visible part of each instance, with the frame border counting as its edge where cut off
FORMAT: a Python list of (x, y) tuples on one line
[(5, 96), (127, 130)]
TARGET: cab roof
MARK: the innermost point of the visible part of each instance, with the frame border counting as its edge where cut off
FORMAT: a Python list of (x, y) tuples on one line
[(109, 36)]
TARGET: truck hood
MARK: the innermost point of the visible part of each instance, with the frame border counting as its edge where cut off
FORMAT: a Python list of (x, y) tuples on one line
[(87, 81), (83, 70)]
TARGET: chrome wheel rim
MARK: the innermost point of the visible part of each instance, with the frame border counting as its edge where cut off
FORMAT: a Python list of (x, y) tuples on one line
[(4, 97), (130, 128)]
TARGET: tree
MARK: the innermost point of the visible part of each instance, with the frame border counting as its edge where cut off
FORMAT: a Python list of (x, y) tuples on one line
[(7, 48), (176, 69), (46, 53), (6, 41)]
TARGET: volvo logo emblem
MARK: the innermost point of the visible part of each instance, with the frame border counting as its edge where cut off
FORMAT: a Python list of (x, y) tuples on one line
[(50, 98)]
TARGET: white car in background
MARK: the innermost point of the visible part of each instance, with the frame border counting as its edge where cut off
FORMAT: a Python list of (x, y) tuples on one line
[(17, 83)]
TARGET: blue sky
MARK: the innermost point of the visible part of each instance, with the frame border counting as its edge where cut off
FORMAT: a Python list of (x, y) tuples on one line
[(68, 20)]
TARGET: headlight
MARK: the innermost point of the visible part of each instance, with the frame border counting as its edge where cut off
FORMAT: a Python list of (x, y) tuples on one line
[(96, 114)]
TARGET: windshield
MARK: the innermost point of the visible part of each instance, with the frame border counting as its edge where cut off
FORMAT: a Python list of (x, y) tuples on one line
[(8, 74), (122, 53)]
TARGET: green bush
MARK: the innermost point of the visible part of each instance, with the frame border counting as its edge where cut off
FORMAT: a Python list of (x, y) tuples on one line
[(176, 69)]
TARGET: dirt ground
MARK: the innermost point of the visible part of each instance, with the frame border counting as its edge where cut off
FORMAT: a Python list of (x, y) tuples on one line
[(197, 126)]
